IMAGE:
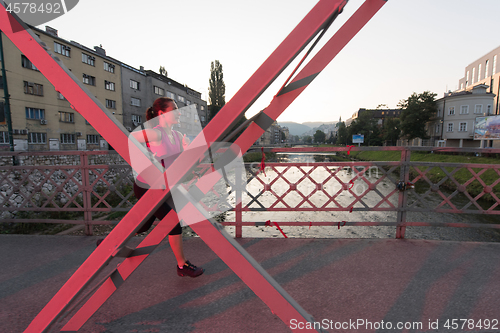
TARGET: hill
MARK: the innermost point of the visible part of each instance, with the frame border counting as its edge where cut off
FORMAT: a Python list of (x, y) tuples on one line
[(313, 124), (295, 128)]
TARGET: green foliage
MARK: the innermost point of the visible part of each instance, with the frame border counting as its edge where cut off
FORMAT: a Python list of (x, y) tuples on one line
[(257, 157), (308, 139), (216, 89), (365, 124), (343, 134), (391, 130), (417, 111), (319, 136)]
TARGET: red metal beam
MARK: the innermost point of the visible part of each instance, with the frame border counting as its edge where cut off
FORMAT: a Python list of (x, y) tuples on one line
[(222, 245), (53, 69)]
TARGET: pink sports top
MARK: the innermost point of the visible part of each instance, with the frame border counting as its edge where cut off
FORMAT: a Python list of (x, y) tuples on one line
[(166, 152)]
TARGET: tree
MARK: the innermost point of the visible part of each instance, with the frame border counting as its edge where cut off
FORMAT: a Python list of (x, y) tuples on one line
[(308, 139), (216, 89), (417, 111), (342, 134), (163, 71), (319, 136), (365, 125), (333, 138), (391, 130)]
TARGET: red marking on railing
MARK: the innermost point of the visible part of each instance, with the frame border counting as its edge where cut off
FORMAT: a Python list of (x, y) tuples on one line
[(349, 151), (268, 223), (342, 224), (350, 210), (310, 224), (352, 184), (263, 162)]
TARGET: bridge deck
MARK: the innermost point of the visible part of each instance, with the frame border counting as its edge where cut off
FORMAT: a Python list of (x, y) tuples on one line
[(345, 281)]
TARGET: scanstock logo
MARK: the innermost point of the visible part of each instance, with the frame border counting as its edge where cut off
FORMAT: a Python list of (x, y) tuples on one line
[(36, 12)]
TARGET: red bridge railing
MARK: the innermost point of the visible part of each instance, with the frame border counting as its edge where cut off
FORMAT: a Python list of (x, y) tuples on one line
[(78, 187)]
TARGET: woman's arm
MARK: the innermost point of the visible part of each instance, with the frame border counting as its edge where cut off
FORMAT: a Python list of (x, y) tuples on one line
[(150, 135)]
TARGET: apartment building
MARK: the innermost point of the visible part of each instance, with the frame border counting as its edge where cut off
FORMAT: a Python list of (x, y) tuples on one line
[(42, 118), (192, 119), (484, 71), (272, 135), (380, 115), (454, 123)]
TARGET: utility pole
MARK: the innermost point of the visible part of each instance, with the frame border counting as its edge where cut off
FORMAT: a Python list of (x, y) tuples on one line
[(7, 102)]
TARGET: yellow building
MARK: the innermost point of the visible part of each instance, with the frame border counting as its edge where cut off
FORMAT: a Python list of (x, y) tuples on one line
[(41, 118)]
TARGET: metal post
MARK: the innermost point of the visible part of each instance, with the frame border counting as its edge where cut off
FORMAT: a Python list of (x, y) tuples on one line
[(87, 191), (238, 208), (405, 177)]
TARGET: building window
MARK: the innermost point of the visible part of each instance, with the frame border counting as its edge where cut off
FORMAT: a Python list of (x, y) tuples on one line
[(34, 113), (37, 138), (488, 109), (110, 104), (88, 59), (451, 110), (464, 109), (450, 127), (92, 139), (134, 85), (181, 99), (438, 113), (66, 117), (31, 88), (159, 91), (87, 79), (135, 101), (437, 128), (202, 118), (479, 73), (463, 127), (494, 65), (62, 49), (109, 67), (478, 108), (26, 63), (60, 96), (1, 82), (202, 107), (109, 85), (486, 68), (67, 138), (473, 75), (170, 95), (136, 118), (467, 79), (4, 137)]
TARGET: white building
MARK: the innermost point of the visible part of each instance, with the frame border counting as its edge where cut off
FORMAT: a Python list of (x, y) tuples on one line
[(456, 116)]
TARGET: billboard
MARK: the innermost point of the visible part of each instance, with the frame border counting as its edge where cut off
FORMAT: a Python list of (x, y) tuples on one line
[(487, 128), (358, 138)]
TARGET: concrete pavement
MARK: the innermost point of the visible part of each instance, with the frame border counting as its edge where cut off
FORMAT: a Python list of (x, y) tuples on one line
[(348, 285)]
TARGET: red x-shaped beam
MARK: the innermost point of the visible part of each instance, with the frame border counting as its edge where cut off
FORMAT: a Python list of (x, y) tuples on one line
[(84, 102)]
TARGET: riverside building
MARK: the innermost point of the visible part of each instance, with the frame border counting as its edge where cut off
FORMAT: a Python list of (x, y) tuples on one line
[(42, 119)]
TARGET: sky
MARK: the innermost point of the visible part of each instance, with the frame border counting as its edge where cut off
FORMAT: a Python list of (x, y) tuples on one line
[(408, 46)]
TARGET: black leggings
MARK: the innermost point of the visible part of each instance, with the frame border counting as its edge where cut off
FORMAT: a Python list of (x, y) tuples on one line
[(160, 213)]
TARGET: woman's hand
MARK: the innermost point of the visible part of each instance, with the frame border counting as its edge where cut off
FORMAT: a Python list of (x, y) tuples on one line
[(185, 141)]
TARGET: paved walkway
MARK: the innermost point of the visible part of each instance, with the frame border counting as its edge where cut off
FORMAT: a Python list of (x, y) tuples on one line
[(352, 283)]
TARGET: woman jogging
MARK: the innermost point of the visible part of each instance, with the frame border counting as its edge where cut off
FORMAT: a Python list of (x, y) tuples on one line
[(165, 144)]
